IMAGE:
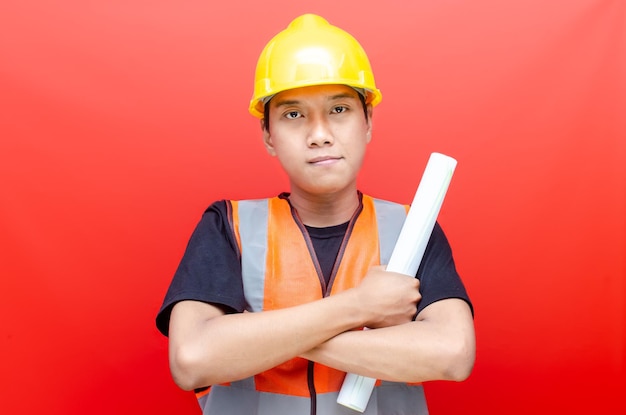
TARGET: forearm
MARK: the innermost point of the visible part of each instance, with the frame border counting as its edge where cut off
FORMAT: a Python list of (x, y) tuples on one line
[(230, 347), (427, 349), (208, 347)]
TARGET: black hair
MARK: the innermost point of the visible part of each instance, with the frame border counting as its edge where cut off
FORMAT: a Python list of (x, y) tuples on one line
[(266, 111)]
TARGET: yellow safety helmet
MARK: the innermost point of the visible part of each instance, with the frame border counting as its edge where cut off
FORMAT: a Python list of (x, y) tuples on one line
[(310, 51)]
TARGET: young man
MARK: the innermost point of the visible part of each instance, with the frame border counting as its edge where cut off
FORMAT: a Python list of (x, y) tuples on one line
[(265, 310)]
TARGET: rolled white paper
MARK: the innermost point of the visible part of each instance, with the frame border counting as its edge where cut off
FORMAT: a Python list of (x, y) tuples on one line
[(407, 254)]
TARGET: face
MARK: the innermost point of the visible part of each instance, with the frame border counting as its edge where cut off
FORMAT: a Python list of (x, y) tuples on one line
[(319, 135)]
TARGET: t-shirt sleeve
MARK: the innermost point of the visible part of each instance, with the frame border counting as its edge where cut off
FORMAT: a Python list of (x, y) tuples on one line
[(437, 273), (210, 270)]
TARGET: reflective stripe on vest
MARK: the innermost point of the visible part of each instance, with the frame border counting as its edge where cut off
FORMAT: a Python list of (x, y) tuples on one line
[(267, 229)]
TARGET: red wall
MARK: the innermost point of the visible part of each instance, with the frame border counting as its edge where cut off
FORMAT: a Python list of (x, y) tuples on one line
[(120, 121)]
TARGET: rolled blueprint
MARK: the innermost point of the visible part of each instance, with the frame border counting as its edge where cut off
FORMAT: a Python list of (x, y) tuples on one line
[(407, 254)]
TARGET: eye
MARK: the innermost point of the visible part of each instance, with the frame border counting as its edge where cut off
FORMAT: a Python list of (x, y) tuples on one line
[(339, 109), (292, 115)]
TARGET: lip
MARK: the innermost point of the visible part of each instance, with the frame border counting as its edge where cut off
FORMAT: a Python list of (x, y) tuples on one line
[(323, 160)]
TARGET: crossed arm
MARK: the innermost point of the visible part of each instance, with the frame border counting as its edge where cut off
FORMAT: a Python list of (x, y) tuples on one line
[(209, 347)]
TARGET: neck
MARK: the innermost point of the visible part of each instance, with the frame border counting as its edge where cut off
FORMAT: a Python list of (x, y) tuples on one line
[(325, 210)]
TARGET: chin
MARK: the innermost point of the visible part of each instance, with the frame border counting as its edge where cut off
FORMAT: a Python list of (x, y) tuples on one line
[(327, 190)]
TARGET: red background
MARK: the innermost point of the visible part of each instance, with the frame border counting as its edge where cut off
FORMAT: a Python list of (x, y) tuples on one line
[(122, 120)]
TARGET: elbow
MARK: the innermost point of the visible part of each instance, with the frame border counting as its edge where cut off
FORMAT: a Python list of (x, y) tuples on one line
[(184, 367), (460, 360)]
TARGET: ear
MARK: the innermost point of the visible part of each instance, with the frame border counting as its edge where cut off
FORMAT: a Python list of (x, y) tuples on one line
[(369, 123), (267, 139)]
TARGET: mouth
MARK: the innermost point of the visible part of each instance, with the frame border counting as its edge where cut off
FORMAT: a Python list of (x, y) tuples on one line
[(324, 160)]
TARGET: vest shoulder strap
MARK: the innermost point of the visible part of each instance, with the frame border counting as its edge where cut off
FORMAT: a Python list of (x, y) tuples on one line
[(250, 225)]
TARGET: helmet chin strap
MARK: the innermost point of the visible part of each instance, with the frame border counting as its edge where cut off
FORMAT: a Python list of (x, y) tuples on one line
[(267, 99)]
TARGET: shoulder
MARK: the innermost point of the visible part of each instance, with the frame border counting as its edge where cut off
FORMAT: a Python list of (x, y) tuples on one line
[(214, 225), (218, 207), (382, 202)]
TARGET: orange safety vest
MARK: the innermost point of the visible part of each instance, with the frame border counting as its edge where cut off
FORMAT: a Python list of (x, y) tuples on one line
[(280, 270)]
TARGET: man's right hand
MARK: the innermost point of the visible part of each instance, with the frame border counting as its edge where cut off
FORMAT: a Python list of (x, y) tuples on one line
[(388, 298)]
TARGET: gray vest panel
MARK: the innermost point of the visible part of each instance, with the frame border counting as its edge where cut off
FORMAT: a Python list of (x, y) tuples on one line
[(389, 398), (390, 218), (253, 216)]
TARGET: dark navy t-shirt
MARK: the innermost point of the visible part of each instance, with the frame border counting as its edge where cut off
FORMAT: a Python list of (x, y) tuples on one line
[(210, 270)]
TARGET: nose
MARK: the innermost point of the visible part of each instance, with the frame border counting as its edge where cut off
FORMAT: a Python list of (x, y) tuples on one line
[(320, 133)]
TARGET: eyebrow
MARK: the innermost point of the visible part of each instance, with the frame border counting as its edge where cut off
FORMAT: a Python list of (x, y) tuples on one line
[(286, 102)]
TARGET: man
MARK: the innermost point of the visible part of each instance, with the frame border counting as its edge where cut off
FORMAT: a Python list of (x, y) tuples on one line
[(265, 310)]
